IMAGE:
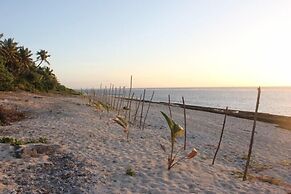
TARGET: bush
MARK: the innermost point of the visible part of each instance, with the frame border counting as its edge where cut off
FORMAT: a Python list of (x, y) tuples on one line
[(6, 78)]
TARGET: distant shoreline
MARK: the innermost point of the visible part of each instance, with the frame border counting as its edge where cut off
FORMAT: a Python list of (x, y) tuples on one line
[(280, 120)]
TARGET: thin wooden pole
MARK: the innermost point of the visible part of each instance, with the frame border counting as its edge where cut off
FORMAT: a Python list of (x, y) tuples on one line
[(110, 94), (138, 105), (253, 134), (121, 101), (118, 98), (129, 111), (141, 112), (169, 97), (114, 99), (148, 109), (100, 93), (221, 135), (129, 93), (185, 124), (105, 94)]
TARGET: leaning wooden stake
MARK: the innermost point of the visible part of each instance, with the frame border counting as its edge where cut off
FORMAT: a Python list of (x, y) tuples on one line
[(169, 97), (253, 134), (221, 135), (148, 109), (136, 110), (141, 112), (185, 124)]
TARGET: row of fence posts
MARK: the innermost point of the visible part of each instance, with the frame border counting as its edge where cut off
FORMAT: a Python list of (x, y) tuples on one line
[(116, 100)]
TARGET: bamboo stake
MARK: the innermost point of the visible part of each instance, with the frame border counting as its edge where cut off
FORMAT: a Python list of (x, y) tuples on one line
[(148, 110), (185, 124), (140, 121), (136, 110), (253, 134), (221, 135), (169, 97)]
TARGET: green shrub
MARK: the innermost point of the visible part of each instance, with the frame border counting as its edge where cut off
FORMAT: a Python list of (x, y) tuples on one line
[(130, 172), (6, 78)]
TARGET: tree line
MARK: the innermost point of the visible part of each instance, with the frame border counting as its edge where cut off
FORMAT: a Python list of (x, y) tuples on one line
[(18, 69)]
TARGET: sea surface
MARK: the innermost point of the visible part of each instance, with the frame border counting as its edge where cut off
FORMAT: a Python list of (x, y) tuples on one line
[(273, 100)]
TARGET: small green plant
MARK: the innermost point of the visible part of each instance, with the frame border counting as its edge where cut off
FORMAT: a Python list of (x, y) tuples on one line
[(39, 140), (12, 141), (130, 172), (17, 142), (176, 131), (123, 123), (101, 106)]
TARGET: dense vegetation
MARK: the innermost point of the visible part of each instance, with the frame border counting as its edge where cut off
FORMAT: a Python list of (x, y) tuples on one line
[(18, 70)]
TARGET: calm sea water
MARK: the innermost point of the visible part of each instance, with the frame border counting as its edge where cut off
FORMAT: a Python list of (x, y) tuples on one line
[(273, 100)]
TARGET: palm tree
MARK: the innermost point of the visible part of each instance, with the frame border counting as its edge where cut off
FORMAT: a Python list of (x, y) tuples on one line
[(1, 43), (42, 57), (25, 59), (9, 51)]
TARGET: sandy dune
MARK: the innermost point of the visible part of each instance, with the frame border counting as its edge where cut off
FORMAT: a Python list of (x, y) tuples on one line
[(96, 155)]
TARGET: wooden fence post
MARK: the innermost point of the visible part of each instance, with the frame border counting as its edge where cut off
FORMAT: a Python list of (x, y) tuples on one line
[(148, 110), (169, 97), (136, 110), (221, 135), (129, 111), (253, 134), (141, 112), (185, 124)]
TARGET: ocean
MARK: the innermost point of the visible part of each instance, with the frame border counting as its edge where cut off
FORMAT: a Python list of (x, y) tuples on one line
[(273, 100)]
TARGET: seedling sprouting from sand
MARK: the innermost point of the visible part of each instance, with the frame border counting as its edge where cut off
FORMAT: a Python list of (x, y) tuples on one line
[(101, 107), (176, 131), (123, 123), (130, 172)]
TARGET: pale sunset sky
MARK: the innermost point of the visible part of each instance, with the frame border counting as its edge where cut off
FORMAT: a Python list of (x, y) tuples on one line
[(162, 43)]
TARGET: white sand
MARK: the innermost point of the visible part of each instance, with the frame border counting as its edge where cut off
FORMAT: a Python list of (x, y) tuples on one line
[(97, 154)]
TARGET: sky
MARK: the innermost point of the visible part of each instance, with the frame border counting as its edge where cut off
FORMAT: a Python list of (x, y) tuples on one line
[(161, 43)]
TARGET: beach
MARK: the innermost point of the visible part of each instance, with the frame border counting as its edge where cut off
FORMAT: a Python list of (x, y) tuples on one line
[(94, 154)]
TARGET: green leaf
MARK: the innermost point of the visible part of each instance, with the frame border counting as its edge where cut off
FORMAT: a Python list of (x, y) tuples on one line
[(169, 120), (176, 129)]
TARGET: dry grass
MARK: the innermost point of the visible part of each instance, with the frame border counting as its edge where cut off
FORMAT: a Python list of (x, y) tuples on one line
[(8, 116)]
